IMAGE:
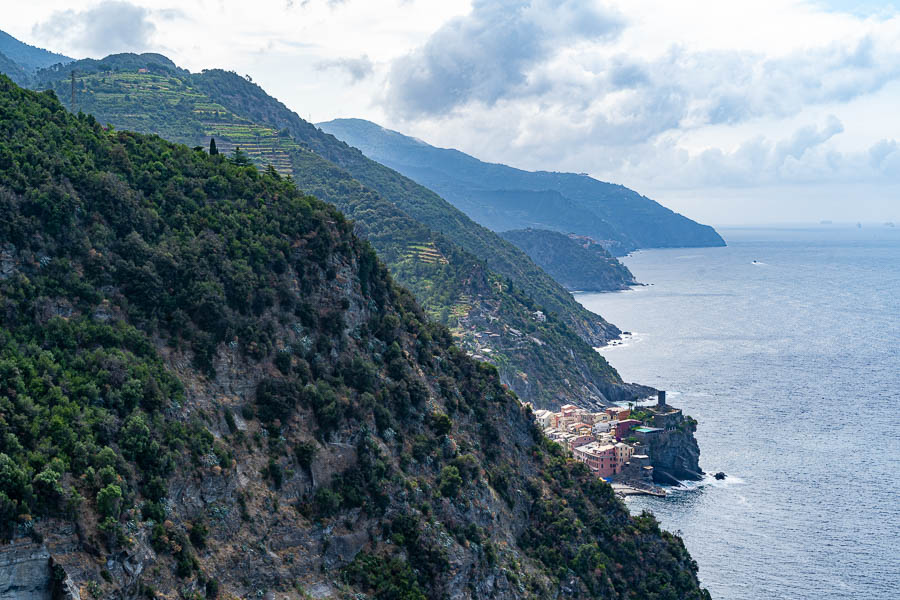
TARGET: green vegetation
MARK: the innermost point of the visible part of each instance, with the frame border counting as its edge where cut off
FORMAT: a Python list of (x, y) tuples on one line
[(577, 263), (187, 246), (125, 257), (455, 286), (504, 198)]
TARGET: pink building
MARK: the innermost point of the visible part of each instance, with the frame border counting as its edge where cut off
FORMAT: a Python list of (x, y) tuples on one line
[(580, 440), (600, 458)]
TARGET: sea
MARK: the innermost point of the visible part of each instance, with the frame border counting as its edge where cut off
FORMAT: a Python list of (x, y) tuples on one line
[(785, 346)]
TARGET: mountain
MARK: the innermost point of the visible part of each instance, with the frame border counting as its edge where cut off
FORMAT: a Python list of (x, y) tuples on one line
[(212, 387), (503, 198), (28, 57), (487, 290), (12, 70), (577, 263)]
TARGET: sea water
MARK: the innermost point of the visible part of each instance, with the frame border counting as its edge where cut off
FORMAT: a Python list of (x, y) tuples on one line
[(785, 345)]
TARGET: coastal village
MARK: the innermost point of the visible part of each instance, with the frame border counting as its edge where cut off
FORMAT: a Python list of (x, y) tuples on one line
[(616, 443)]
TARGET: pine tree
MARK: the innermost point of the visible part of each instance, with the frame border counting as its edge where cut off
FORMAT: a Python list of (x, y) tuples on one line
[(212, 147), (240, 158)]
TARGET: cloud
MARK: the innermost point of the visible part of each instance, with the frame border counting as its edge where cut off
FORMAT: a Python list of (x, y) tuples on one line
[(109, 27), (357, 68), (680, 116), (803, 157), (486, 55)]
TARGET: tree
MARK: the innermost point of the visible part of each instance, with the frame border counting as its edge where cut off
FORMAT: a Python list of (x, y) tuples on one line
[(109, 501), (212, 147), (239, 158), (449, 482)]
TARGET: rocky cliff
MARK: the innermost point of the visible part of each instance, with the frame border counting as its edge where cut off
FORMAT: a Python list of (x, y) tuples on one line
[(209, 387)]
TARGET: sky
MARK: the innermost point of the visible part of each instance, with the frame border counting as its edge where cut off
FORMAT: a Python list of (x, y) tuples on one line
[(729, 112)]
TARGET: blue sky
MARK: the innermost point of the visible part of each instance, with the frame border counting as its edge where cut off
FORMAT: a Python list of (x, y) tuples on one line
[(731, 112)]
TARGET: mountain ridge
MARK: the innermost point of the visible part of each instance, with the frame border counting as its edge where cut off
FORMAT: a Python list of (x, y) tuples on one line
[(577, 263), (29, 58), (623, 220)]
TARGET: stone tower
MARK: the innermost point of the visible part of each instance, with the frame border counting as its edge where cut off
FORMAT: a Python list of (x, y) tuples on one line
[(661, 400)]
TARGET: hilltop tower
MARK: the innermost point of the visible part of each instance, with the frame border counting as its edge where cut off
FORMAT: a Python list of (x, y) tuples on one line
[(661, 401)]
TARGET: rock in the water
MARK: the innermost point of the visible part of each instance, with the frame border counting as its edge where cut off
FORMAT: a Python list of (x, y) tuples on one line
[(720, 475)]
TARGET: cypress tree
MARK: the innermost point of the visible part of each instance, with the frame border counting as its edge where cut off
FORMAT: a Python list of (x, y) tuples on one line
[(212, 147)]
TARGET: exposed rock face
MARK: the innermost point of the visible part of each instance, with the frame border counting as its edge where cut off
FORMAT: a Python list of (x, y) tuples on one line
[(677, 453), (25, 572)]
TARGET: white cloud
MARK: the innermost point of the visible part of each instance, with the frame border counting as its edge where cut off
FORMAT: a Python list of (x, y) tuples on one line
[(108, 27), (486, 55), (357, 68)]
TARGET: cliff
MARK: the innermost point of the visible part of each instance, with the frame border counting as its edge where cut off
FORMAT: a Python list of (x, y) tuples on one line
[(672, 447), (212, 387)]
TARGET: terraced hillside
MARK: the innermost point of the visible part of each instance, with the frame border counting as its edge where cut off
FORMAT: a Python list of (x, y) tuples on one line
[(160, 98)]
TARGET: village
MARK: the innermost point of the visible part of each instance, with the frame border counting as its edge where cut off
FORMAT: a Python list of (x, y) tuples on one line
[(613, 443)]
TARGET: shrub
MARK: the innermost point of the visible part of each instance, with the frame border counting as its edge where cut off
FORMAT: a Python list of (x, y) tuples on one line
[(305, 452), (449, 482), (440, 423), (109, 501)]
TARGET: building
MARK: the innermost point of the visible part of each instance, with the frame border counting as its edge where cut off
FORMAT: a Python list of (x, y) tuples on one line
[(645, 434), (580, 428), (543, 418), (624, 452), (618, 413), (600, 458), (576, 441), (601, 427), (623, 427)]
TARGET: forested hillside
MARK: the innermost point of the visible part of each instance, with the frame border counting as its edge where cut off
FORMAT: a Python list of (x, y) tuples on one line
[(418, 202), (212, 388), (503, 198), (492, 313), (28, 57), (576, 262), (12, 70)]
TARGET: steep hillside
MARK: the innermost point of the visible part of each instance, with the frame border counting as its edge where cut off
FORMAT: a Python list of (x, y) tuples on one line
[(212, 388), (27, 56), (545, 362), (12, 70), (501, 197), (418, 202), (577, 263)]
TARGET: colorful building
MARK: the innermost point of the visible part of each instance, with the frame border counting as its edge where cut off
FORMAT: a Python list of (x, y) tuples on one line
[(618, 413), (623, 427), (600, 458)]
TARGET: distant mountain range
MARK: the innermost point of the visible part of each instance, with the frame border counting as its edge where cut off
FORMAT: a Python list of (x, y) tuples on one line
[(503, 198)]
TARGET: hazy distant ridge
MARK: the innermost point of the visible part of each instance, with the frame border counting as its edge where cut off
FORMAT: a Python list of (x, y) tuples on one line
[(503, 198)]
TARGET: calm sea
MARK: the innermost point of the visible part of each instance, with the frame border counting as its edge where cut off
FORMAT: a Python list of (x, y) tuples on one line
[(792, 366)]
